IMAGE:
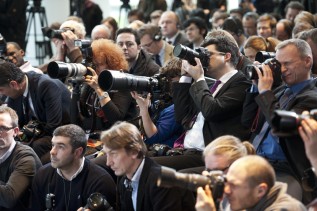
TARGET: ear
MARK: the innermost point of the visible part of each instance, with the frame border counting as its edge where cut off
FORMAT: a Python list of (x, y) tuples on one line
[(16, 131), (227, 57), (78, 152), (22, 52), (308, 61), (14, 85), (262, 189)]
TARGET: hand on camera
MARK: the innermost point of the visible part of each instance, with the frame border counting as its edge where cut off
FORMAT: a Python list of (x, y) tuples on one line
[(143, 103), (92, 80), (196, 72), (60, 50), (265, 80), (204, 201), (69, 40)]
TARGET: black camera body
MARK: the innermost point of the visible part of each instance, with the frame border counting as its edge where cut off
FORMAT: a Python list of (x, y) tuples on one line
[(188, 54), (51, 33), (215, 179), (286, 123), (97, 202), (86, 50), (50, 201), (31, 130), (265, 58), (3, 47)]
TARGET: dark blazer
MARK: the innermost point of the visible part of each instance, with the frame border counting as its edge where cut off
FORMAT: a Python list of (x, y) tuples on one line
[(293, 146), (181, 39), (51, 101), (144, 65), (222, 113), (150, 197)]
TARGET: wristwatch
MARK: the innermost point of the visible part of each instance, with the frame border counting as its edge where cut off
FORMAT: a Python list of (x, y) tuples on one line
[(103, 96)]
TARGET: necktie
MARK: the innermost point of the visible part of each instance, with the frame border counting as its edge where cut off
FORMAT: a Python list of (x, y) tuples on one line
[(26, 110), (128, 195), (157, 60), (214, 86), (285, 98)]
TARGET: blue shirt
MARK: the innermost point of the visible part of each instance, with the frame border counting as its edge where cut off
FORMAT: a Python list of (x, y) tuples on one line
[(168, 130), (270, 147)]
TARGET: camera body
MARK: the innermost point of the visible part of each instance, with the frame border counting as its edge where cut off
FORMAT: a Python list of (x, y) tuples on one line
[(188, 54), (50, 201), (97, 202), (3, 46), (265, 58), (31, 130), (51, 33), (86, 50), (286, 123), (215, 179)]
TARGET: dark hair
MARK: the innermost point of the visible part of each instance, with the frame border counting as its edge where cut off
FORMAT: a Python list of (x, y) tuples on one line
[(224, 43), (10, 72), (16, 45), (113, 23), (233, 24), (288, 26), (150, 29), (268, 17), (294, 5), (172, 68), (200, 23), (129, 31), (75, 134), (136, 12)]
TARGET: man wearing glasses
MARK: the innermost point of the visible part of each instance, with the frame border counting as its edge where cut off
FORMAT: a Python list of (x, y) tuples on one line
[(208, 112), (18, 164), (140, 62), (152, 42)]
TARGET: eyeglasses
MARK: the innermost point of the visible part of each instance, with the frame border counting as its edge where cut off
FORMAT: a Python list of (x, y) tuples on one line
[(147, 45), (215, 53), (218, 169), (4, 129)]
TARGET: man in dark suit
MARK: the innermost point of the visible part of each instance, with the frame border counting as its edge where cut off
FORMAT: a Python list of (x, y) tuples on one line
[(196, 31), (125, 150), (299, 93), (36, 97), (205, 112), (170, 27)]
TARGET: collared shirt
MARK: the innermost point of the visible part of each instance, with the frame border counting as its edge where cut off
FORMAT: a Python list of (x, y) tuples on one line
[(172, 39), (135, 183), (162, 53), (27, 67), (76, 173), (194, 138), (26, 94), (8, 153), (270, 147)]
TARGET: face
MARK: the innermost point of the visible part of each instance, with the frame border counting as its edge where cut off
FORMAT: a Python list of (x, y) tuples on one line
[(14, 55), (218, 23), (62, 156), (249, 27), (7, 132), (121, 162), (149, 45), (294, 68), (250, 53), (130, 48), (217, 162), (239, 193), (193, 33), (99, 66), (291, 14), (12, 90), (264, 29), (100, 34), (280, 32), (217, 61), (168, 24)]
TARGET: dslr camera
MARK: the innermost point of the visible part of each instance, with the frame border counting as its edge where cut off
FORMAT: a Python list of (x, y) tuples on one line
[(265, 58), (3, 47), (51, 33), (286, 123), (215, 179), (60, 70), (189, 55), (86, 51)]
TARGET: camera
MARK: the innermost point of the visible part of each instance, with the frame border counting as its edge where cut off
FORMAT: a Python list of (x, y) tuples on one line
[(215, 179), (189, 54), (62, 70), (265, 58), (3, 46), (33, 129), (50, 201), (51, 33), (97, 202), (86, 51), (286, 123)]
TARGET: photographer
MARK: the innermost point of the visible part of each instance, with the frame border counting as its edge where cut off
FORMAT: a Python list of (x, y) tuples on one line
[(39, 98), (208, 112), (286, 154), (113, 106), (250, 186), (163, 129), (70, 178)]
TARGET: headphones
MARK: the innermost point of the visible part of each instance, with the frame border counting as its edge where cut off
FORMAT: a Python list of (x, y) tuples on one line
[(158, 35)]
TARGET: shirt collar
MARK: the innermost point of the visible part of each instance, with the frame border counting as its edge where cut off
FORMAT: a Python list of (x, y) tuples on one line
[(76, 173), (26, 91), (8, 153), (172, 39), (137, 174), (298, 87), (227, 76)]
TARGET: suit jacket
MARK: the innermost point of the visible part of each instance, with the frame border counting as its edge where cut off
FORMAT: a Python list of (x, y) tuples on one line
[(168, 53), (293, 146), (51, 101), (150, 197), (181, 39), (144, 65), (222, 113)]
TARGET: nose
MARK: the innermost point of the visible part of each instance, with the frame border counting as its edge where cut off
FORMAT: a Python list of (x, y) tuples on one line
[(109, 161), (227, 189), (53, 151)]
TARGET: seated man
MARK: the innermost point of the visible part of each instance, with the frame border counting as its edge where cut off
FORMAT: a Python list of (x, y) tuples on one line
[(125, 150), (250, 186), (69, 176), (18, 164), (35, 97), (15, 55)]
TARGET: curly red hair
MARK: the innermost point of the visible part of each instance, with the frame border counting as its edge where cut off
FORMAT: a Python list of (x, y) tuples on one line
[(106, 52)]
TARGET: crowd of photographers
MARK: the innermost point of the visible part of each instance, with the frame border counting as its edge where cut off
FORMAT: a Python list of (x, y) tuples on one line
[(166, 100)]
